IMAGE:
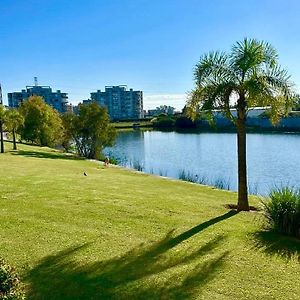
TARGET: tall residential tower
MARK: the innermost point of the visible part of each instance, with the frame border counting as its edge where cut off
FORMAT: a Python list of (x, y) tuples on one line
[(57, 100), (120, 102)]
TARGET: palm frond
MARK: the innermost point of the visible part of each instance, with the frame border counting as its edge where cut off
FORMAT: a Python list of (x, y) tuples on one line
[(250, 55), (194, 100), (246, 55), (279, 79), (250, 71), (270, 55), (212, 65), (209, 97), (271, 88)]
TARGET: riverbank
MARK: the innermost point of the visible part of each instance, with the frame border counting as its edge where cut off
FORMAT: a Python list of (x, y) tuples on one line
[(132, 124), (121, 234), (253, 127), (210, 157)]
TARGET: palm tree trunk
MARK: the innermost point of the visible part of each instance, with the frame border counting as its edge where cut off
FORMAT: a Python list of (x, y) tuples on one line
[(1, 133), (243, 204), (14, 140)]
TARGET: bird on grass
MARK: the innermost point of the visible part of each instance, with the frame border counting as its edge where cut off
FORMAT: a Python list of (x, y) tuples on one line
[(84, 174)]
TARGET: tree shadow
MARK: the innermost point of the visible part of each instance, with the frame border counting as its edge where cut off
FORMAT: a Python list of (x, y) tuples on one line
[(51, 155), (131, 275), (274, 243)]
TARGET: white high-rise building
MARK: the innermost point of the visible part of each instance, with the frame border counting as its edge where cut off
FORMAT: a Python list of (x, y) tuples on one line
[(120, 102)]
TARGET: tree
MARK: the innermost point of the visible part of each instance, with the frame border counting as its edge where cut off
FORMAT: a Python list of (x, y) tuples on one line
[(185, 122), (42, 124), (2, 117), (67, 120), (297, 103), (249, 76), (13, 121), (163, 121), (90, 130)]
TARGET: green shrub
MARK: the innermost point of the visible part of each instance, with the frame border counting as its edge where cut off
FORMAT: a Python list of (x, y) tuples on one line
[(10, 286), (163, 121), (112, 159), (282, 211), (184, 122)]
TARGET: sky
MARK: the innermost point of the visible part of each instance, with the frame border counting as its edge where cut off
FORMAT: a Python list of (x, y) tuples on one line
[(81, 46)]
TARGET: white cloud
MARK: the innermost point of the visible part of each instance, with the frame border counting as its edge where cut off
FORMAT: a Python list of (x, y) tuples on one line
[(176, 100)]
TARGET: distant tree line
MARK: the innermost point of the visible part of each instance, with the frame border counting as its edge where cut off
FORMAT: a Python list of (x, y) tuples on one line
[(182, 121), (38, 123)]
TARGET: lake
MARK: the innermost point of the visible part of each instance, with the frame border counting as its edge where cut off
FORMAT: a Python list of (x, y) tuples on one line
[(211, 158)]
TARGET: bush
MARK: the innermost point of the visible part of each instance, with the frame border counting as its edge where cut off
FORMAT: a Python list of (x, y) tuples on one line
[(184, 122), (112, 159), (282, 211), (163, 121), (10, 286)]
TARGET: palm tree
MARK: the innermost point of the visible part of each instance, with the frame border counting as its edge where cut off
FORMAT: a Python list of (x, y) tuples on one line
[(248, 76), (13, 122), (2, 117)]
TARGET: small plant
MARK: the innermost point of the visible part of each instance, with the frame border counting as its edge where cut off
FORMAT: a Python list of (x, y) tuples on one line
[(253, 188), (282, 211), (112, 159), (187, 176), (10, 286), (138, 166), (202, 179), (222, 183), (163, 173)]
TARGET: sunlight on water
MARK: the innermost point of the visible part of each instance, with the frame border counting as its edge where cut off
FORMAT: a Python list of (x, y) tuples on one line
[(272, 158)]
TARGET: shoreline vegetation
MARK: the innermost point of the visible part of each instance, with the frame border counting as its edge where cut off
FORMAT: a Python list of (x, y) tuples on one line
[(121, 234), (200, 127), (221, 183)]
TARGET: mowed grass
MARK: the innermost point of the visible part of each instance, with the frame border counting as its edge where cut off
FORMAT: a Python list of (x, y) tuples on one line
[(122, 124), (119, 234)]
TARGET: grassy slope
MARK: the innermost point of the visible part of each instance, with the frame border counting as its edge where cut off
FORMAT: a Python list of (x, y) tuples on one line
[(124, 235)]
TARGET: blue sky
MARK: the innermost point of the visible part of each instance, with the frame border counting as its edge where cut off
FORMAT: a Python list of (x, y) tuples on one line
[(81, 46)]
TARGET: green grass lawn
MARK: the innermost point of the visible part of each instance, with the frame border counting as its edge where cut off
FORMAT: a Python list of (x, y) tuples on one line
[(123, 124), (118, 234)]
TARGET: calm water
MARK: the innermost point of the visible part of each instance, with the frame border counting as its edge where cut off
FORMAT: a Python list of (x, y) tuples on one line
[(273, 159)]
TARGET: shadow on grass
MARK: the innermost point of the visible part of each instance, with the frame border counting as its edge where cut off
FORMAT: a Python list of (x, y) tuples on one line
[(51, 155), (274, 243), (130, 276)]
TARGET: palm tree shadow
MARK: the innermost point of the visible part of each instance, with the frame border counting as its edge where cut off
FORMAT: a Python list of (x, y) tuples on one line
[(51, 155), (273, 243), (131, 275)]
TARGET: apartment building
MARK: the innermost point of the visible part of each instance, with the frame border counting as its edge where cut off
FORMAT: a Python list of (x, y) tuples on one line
[(57, 100), (121, 103)]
